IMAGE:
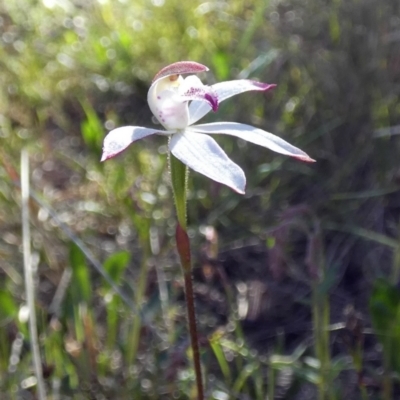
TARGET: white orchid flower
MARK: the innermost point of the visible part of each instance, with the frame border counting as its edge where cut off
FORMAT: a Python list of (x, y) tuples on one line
[(178, 103)]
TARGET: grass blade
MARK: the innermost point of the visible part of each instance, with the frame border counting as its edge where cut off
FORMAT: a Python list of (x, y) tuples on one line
[(29, 282)]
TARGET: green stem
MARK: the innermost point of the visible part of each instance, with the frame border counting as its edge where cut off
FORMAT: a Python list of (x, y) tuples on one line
[(29, 275), (387, 379), (326, 365), (137, 320), (271, 382), (179, 185), (317, 333), (179, 175), (193, 333), (321, 323), (255, 23)]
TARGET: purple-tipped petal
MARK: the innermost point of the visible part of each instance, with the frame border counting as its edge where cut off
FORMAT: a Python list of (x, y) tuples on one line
[(228, 89), (179, 68), (253, 135), (224, 90), (119, 139), (203, 154)]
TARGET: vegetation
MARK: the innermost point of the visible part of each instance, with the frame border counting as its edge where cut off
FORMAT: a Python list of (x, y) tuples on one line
[(297, 282)]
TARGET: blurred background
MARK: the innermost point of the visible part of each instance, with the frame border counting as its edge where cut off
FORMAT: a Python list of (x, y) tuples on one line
[(297, 282)]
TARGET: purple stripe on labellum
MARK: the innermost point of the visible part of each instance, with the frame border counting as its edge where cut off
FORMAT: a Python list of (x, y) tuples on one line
[(181, 67), (213, 101), (204, 93)]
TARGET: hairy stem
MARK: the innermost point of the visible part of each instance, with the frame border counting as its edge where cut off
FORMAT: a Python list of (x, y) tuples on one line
[(182, 241), (179, 176), (179, 185)]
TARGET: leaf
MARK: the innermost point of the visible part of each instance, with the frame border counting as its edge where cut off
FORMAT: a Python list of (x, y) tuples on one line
[(384, 305), (220, 356), (91, 128), (116, 264), (80, 284), (221, 65), (8, 307), (385, 314)]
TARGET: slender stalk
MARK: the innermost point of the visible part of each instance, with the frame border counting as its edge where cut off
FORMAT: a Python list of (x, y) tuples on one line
[(28, 271), (255, 23), (357, 355), (317, 333), (137, 320), (193, 334), (182, 240), (321, 323), (179, 184), (161, 279), (179, 177), (271, 383), (326, 361), (387, 379)]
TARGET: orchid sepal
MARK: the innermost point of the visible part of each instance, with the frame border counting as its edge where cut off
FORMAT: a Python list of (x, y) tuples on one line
[(253, 135), (225, 90), (204, 155), (119, 139), (169, 97)]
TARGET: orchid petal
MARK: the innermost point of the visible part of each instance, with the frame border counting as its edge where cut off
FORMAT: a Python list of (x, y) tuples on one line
[(119, 139), (203, 154), (170, 108), (225, 90), (253, 135), (169, 96), (171, 112)]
